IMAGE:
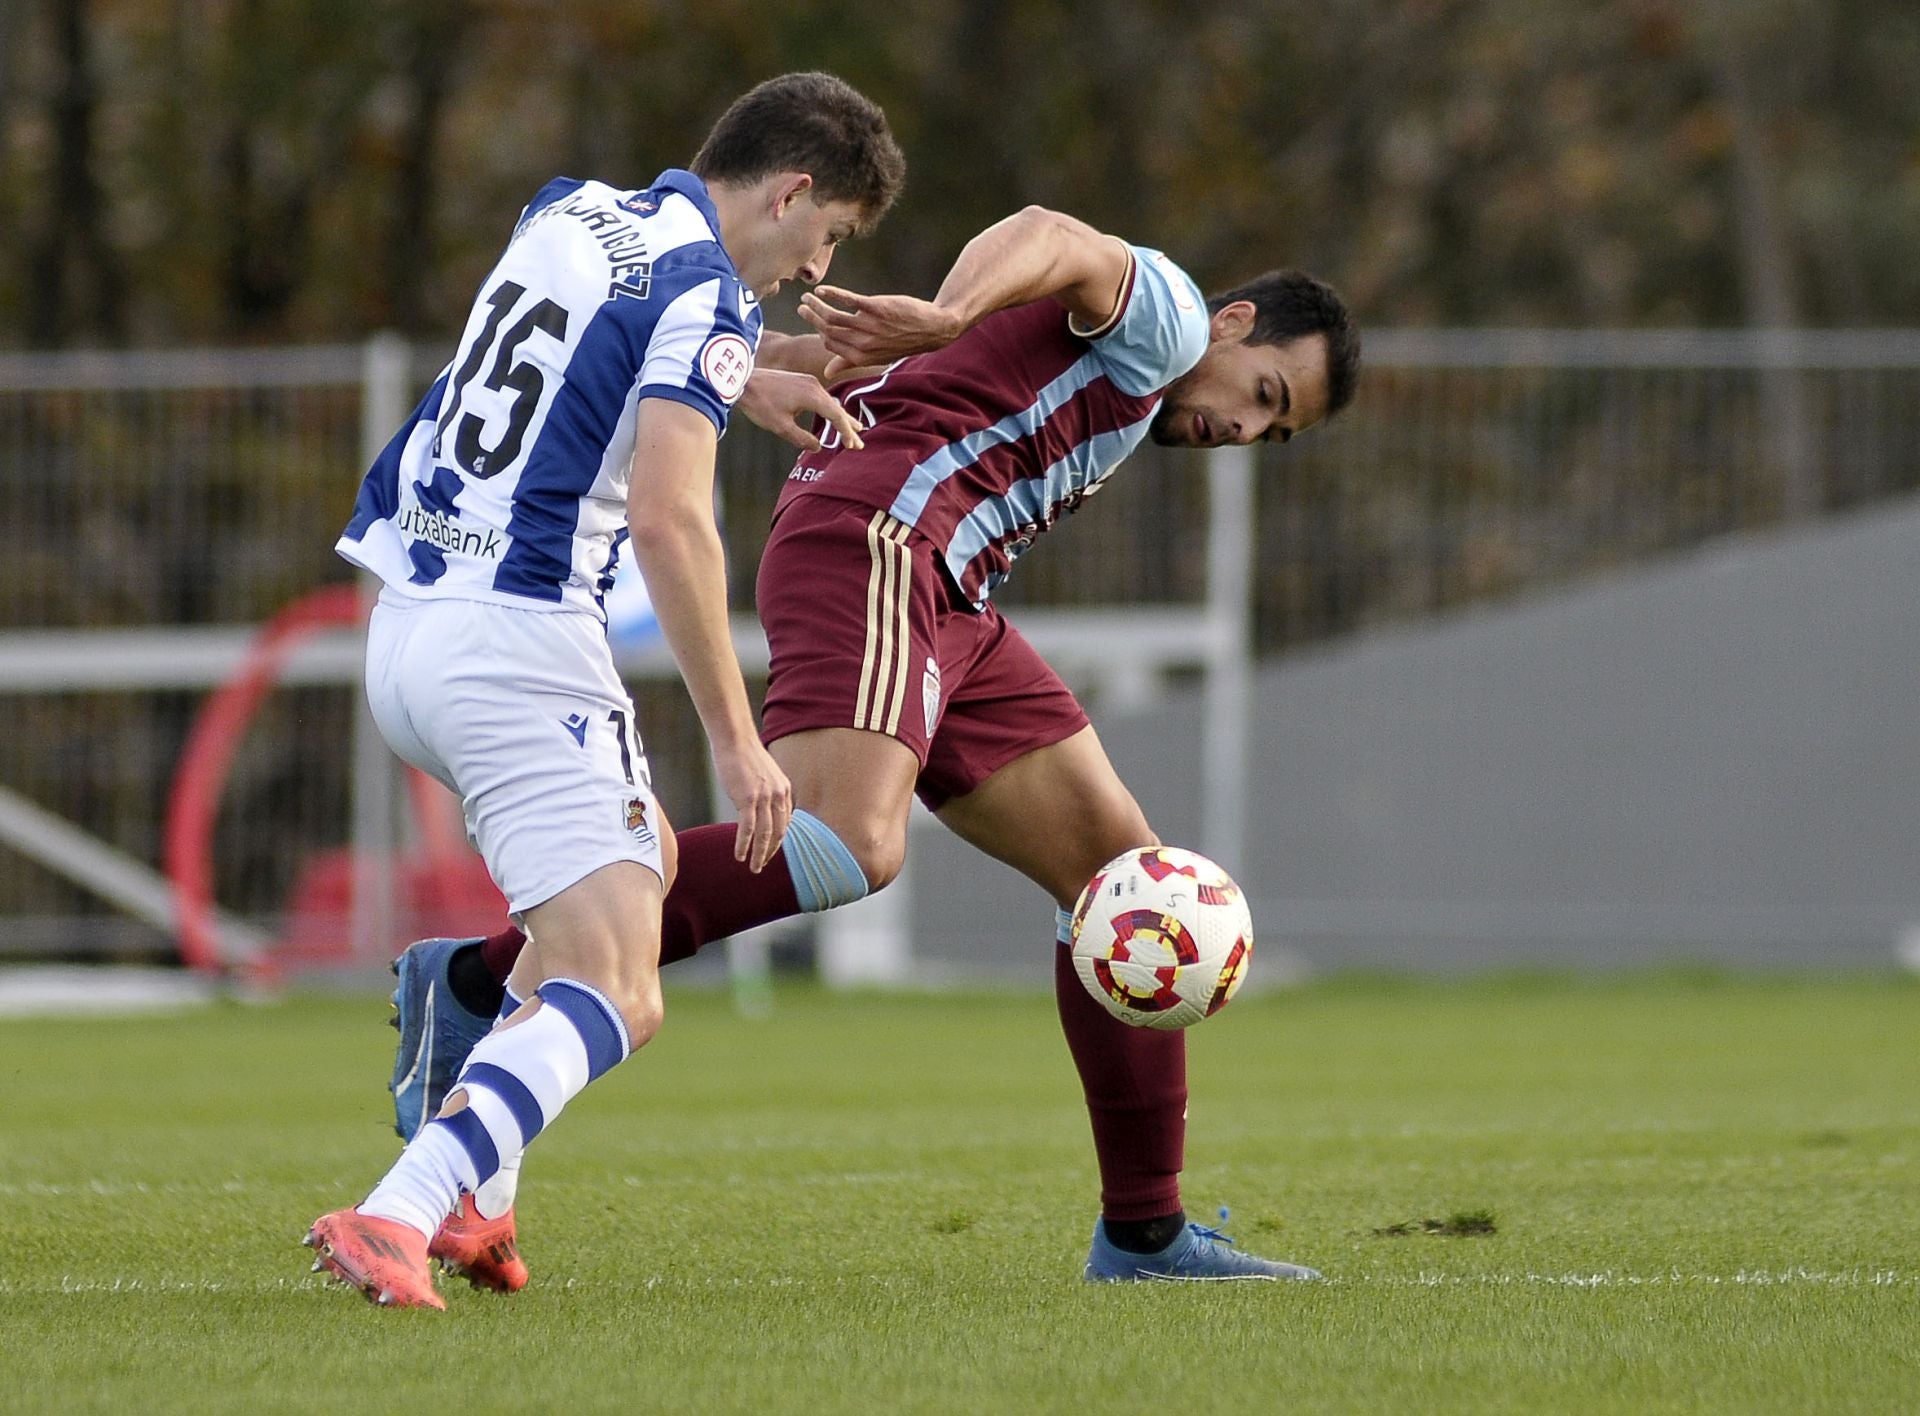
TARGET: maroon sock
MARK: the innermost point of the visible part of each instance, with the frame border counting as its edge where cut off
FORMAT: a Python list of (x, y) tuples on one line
[(498, 951), (713, 895), (1136, 1085)]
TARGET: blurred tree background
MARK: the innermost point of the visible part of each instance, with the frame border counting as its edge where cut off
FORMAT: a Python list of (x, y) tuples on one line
[(254, 171), (182, 173)]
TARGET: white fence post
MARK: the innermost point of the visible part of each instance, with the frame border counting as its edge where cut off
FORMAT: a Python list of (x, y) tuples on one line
[(385, 376), (1226, 747), (869, 943)]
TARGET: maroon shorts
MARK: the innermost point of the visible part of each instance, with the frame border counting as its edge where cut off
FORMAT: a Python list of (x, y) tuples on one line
[(867, 632)]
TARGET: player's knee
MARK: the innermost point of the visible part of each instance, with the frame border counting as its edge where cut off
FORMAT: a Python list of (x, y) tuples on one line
[(630, 978), (642, 1008), (880, 855), (1115, 844), (1123, 830), (620, 961), (838, 861)]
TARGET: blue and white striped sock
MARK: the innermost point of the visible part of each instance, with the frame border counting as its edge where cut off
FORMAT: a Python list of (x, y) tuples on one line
[(516, 1080), (494, 1197), (425, 1183)]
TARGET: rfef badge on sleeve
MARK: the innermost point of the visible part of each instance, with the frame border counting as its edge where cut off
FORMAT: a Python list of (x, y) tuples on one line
[(726, 361)]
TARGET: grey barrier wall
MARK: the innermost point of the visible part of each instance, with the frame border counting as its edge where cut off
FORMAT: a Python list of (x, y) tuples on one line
[(1716, 758)]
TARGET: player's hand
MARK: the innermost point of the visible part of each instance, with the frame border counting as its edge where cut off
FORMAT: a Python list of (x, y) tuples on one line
[(762, 800), (783, 402), (876, 329)]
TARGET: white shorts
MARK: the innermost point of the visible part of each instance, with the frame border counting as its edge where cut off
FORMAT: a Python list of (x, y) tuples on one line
[(520, 714)]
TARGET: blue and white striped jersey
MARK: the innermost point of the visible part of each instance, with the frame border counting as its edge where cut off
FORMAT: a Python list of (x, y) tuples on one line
[(509, 482)]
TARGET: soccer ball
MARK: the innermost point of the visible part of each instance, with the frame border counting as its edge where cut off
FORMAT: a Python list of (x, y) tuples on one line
[(1162, 937)]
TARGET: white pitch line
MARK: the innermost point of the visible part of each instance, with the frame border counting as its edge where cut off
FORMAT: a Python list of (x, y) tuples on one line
[(1674, 1278), (113, 1189), (1796, 1276), (10, 1288), (1763, 1278)]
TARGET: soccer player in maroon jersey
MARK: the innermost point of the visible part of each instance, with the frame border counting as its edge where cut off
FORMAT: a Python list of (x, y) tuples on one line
[(1050, 352)]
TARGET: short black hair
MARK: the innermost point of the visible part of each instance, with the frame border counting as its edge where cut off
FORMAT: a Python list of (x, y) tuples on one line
[(813, 123), (1289, 305)]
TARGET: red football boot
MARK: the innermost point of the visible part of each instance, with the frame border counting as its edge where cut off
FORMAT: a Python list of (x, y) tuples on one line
[(482, 1251), (384, 1259)]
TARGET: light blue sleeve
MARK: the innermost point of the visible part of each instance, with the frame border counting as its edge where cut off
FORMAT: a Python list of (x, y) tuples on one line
[(1162, 331)]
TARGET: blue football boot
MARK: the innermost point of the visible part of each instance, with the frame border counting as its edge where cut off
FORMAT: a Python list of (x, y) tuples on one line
[(1197, 1255), (436, 1033)]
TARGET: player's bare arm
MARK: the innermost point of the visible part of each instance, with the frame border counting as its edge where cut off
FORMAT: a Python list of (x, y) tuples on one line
[(1035, 254), (792, 353), (677, 547), (785, 397)]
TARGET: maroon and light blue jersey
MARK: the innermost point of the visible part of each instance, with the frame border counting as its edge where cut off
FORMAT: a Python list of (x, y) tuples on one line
[(983, 445)]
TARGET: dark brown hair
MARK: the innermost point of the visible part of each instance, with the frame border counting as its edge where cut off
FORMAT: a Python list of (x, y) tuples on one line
[(1289, 305), (811, 123)]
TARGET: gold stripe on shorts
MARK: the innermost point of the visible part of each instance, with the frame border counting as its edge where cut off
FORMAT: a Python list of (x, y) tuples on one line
[(889, 585), (903, 649)]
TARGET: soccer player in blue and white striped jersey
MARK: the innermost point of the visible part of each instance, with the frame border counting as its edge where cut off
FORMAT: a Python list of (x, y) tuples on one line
[(594, 375)]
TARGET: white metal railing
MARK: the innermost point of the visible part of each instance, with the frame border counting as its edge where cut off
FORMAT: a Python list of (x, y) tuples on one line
[(148, 370), (1126, 649), (1119, 652), (345, 364), (1643, 348)]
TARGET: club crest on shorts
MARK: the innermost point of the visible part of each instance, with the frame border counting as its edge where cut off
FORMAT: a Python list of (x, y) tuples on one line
[(637, 820), (930, 694)]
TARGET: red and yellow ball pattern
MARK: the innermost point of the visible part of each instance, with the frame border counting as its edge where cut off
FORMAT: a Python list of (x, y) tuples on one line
[(1162, 937)]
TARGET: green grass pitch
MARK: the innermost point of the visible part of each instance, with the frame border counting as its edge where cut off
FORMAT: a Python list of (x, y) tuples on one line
[(1704, 1194)]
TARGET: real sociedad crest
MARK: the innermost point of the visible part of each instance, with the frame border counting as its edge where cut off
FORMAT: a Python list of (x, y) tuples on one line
[(637, 821)]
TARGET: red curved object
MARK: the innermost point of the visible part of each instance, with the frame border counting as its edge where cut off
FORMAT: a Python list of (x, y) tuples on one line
[(208, 756)]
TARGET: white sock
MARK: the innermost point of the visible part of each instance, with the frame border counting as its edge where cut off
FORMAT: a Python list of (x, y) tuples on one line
[(495, 1197), (425, 1183), (517, 1080)]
